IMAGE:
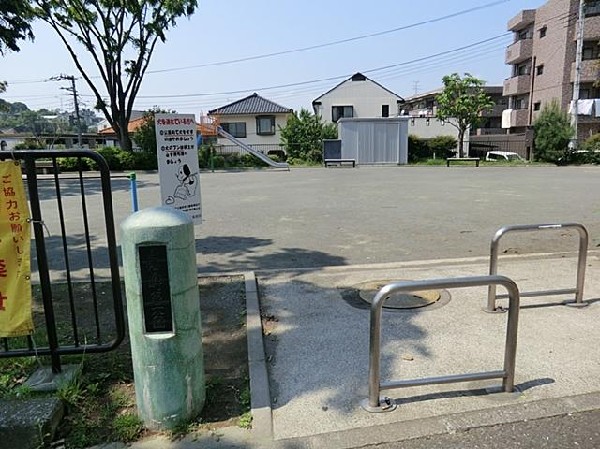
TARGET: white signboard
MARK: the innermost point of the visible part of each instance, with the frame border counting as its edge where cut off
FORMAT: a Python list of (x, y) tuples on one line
[(178, 163)]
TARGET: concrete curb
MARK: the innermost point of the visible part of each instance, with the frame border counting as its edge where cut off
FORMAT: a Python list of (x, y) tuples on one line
[(262, 421), (419, 428)]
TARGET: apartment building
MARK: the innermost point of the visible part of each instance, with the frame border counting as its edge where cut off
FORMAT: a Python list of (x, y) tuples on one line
[(542, 64), (425, 105)]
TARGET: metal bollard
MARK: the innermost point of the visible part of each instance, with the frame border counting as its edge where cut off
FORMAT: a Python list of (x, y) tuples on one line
[(163, 310), (133, 188)]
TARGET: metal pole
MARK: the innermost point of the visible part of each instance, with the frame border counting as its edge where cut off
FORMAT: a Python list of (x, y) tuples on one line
[(578, 57), (75, 100), (133, 188), (42, 263), (373, 403), (581, 262)]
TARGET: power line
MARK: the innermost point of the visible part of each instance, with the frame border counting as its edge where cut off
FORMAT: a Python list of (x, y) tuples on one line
[(337, 42), (333, 78)]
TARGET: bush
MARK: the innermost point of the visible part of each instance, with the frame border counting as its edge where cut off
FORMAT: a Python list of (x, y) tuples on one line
[(31, 144), (442, 146), (74, 163), (424, 149), (553, 131)]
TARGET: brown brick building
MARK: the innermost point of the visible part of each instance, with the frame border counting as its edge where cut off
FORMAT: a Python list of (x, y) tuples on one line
[(542, 61)]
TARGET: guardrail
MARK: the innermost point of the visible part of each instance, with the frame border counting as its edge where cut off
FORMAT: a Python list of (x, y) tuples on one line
[(578, 290), (374, 403)]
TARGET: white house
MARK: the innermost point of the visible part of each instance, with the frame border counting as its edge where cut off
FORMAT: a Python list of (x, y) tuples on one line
[(359, 97), (253, 120)]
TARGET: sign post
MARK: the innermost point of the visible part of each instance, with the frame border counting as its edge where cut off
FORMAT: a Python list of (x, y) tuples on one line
[(178, 167)]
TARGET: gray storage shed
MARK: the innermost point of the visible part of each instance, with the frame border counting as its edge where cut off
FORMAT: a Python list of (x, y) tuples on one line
[(374, 140)]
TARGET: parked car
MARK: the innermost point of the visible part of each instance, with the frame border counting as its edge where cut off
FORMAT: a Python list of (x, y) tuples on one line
[(502, 156)]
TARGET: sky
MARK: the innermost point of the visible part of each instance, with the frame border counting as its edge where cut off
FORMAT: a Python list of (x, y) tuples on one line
[(405, 45)]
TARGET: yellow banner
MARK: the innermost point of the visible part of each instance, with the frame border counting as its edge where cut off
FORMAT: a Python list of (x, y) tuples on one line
[(15, 262)]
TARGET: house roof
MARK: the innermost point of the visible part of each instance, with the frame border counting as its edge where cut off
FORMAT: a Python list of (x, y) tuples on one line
[(132, 126), (357, 77), (252, 104)]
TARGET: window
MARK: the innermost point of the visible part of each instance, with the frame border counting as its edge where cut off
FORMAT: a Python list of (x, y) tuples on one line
[(539, 70), (338, 112), (525, 34), (543, 31), (522, 69), (385, 110), (520, 103), (235, 129), (265, 125), (537, 105), (590, 50), (592, 8)]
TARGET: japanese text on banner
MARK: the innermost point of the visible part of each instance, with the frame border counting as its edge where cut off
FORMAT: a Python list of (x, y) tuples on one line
[(15, 263)]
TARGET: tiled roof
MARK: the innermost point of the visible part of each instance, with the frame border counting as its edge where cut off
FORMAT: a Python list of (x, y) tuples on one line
[(132, 126), (253, 104)]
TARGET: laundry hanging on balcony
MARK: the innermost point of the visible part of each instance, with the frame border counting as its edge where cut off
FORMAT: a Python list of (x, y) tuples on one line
[(584, 107)]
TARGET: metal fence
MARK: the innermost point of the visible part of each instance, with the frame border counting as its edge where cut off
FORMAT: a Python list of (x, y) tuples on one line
[(68, 257), (514, 143), (374, 403), (581, 261)]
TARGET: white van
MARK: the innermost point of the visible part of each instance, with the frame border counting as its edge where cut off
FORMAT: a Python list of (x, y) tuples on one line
[(492, 156)]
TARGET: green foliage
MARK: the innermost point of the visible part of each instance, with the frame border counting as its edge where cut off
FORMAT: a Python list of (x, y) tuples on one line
[(145, 135), (15, 16), (464, 100), (442, 146), (127, 427), (592, 143), (31, 144), (553, 131), (303, 135), (74, 164), (424, 149), (119, 37)]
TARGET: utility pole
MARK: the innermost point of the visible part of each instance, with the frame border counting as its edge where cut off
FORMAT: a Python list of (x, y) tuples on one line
[(416, 87), (72, 89), (578, 56)]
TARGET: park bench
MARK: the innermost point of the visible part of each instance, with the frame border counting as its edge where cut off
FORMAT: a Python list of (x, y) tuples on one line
[(339, 162), (462, 159)]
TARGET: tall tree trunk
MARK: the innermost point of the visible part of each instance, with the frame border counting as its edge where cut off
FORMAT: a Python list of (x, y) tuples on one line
[(461, 135), (124, 139)]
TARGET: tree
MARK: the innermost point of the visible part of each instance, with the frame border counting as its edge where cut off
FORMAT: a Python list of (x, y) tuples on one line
[(15, 16), (145, 135), (464, 100), (553, 131), (303, 136), (120, 36)]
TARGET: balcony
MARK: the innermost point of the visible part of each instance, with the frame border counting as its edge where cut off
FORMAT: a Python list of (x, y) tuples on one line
[(591, 29), (517, 85), (519, 51), (590, 71), (519, 117), (521, 20), (496, 111)]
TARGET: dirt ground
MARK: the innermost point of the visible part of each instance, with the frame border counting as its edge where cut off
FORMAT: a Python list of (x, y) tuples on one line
[(222, 303)]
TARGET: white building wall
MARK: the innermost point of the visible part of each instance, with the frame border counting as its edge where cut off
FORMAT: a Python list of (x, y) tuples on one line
[(252, 138), (366, 97), (430, 127)]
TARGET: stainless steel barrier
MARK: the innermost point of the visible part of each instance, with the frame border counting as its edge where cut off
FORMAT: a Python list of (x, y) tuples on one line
[(374, 403), (578, 290)]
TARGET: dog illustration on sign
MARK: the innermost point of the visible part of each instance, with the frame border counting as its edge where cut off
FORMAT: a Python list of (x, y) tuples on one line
[(188, 184)]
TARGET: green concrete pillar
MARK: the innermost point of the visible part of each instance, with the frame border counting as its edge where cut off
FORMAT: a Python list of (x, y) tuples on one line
[(163, 311)]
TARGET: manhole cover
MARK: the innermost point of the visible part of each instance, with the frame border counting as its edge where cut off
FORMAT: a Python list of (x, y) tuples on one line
[(411, 300)]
